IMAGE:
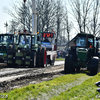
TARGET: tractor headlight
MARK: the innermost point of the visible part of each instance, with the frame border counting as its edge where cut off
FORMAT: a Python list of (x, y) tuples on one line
[(18, 50)]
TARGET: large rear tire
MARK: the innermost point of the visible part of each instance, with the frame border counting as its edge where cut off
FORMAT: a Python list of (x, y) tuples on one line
[(33, 59), (94, 65), (68, 67), (38, 58), (44, 58)]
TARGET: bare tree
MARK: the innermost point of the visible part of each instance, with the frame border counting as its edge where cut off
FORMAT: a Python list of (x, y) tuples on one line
[(68, 25), (46, 15), (59, 20), (22, 14), (95, 25), (86, 12), (81, 10), (12, 27), (76, 9)]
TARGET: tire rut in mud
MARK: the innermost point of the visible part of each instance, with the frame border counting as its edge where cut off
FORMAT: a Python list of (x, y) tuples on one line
[(32, 77)]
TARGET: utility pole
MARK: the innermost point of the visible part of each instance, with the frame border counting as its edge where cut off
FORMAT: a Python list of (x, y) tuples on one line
[(24, 14), (34, 18)]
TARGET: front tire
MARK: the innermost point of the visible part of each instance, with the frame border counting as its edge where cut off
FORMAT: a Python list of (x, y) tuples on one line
[(38, 59), (94, 65), (68, 67), (44, 58), (33, 59)]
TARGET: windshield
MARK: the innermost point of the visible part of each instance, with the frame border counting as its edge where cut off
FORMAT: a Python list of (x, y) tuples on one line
[(6, 38), (22, 40), (81, 41)]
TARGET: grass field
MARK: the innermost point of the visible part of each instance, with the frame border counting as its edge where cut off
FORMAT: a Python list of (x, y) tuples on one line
[(77, 86), (60, 59), (84, 91)]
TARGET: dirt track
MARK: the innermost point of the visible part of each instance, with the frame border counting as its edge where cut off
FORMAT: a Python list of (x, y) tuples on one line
[(11, 78)]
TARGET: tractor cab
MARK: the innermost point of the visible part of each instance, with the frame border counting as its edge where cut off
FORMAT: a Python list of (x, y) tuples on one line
[(27, 41), (24, 41), (85, 40), (5, 40)]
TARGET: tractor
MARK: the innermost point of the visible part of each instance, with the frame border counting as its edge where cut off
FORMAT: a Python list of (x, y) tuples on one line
[(5, 40), (27, 52), (49, 42), (84, 54)]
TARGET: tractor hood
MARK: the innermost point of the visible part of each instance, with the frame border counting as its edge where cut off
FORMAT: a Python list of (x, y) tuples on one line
[(82, 54), (23, 46), (82, 49), (3, 43)]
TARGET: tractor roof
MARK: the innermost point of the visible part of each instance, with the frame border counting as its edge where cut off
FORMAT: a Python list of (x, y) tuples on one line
[(85, 34), (24, 33), (7, 34)]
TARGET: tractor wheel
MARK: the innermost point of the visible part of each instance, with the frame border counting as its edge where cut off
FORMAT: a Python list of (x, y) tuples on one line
[(68, 68), (44, 58), (38, 58), (33, 59), (94, 65)]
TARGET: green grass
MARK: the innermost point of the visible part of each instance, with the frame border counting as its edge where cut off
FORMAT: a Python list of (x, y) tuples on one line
[(60, 59), (34, 90), (84, 91)]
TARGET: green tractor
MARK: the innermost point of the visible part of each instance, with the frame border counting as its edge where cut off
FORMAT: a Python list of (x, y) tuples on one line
[(5, 40), (27, 52), (84, 54)]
